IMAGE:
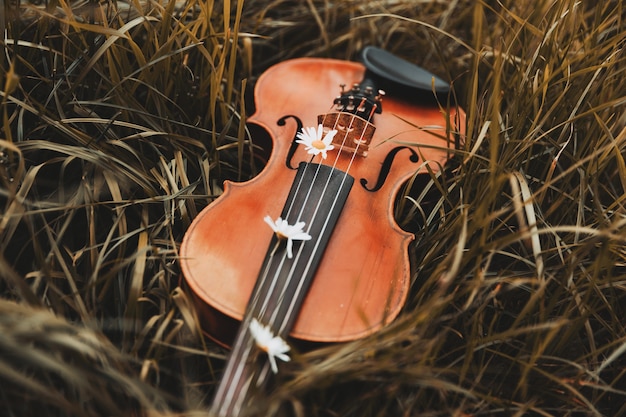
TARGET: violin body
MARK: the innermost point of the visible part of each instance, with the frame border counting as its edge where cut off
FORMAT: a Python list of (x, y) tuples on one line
[(363, 279), (362, 275)]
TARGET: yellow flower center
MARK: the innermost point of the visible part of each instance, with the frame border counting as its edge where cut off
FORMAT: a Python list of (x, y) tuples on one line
[(281, 236), (318, 144)]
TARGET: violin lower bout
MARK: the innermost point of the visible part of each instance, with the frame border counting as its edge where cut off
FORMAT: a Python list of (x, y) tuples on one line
[(360, 285)]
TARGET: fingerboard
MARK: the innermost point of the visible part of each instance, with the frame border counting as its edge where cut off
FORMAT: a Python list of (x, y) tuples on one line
[(317, 197)]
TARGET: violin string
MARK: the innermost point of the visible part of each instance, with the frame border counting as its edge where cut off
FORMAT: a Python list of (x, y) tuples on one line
[(298, 289), (324, 226), (313, 182), (239, 356), (242, 396), (245, 352), (311, 185), (310, 225), (281, 297), (291, 308), (226, 392), (263, 276), (241, 350), (303, 205)]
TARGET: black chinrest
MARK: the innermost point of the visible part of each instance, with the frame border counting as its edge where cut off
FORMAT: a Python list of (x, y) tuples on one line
[(394, 73)]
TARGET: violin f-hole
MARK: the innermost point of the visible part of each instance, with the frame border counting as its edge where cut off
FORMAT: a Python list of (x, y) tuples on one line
[(386, 167), (294, 146)]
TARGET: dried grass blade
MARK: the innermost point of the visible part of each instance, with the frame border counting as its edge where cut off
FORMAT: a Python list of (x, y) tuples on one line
[(35, 388), (16, 209), (19, 285), (529, 222), (621, 350), (135, 289), (457, 255), (119, 33)]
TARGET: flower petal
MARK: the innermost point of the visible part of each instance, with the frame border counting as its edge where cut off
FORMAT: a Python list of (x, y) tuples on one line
[(269, 221), (320, 131), (274, 346), (301, 236), (329, 138), (273, 364)]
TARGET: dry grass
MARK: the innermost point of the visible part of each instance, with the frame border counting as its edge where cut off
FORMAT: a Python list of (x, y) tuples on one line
[(121, 120)]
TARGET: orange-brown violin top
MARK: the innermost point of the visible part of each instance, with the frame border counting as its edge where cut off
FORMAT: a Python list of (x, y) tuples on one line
[(351, 276)]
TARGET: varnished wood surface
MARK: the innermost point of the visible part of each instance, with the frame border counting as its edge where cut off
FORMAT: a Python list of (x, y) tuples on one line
[(363, 279)]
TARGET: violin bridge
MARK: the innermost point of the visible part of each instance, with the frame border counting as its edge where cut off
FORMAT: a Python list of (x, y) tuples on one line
[(354, 134)]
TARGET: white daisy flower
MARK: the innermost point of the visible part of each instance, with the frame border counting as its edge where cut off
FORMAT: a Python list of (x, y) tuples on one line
[(284, 231), (311, 138), (274, 346)]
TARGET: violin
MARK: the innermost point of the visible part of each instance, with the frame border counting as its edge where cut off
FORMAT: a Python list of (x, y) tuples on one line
[(308, 250)]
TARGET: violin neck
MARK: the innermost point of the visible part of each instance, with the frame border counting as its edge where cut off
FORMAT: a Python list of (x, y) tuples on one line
[(317, 197), (244, 374)]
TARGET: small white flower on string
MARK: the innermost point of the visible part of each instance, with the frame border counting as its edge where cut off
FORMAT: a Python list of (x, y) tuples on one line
[(311, 138), (285, 231), (274, 346)]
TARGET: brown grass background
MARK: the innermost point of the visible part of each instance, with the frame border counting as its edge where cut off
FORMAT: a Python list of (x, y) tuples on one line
[(120, 121)]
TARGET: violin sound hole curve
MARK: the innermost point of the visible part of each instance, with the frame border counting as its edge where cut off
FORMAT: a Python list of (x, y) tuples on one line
[(386, 167), (294, 146)]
